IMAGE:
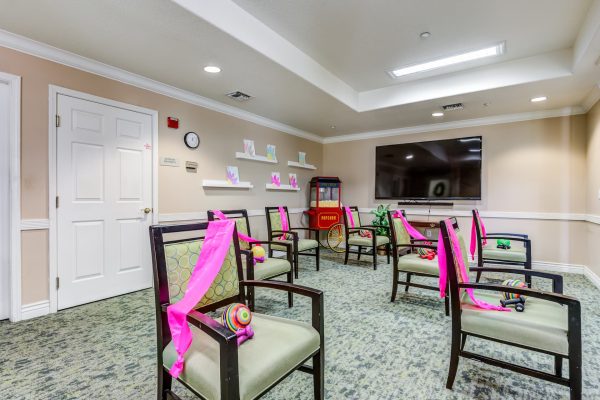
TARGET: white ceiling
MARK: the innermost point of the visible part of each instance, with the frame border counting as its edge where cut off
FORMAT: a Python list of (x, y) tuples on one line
[(312, 64)]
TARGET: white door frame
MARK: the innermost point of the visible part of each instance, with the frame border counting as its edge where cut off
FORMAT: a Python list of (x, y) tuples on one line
[(52, 243), (14, 138)]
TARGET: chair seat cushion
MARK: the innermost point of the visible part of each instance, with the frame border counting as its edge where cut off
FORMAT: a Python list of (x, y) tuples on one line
[(515, 253), (271, 267), (543, 325), (368, 242), (278, 346), (413, 263), (303, 244)]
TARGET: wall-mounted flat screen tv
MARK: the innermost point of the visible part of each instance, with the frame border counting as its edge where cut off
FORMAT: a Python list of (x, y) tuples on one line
[(435, 170)]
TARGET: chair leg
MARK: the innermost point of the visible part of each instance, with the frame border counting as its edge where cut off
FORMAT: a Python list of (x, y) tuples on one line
[(359, 253), (164, 383), (463, 341), (347, 254), (290, 294), (387, 252), (394, 281), (447, 304), (318, 257), (528, 277), (319, 375), (251, 298), (454, 355), (575, 383), (296, 262), (478, 276), (558, 362), (408, 275)]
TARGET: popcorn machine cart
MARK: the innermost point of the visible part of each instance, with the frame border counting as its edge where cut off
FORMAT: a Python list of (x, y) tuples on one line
[(325, 213)]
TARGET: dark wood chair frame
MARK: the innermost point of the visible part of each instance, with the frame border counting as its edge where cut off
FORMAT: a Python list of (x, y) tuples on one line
[(459, 337), (359, 227), (229, 371), (515, 237), (398, 250), (293, 232), (250, 294)]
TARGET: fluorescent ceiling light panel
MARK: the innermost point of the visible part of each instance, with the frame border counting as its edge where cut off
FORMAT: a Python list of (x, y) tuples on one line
[(452, 60), (437, 114), (538, 99)]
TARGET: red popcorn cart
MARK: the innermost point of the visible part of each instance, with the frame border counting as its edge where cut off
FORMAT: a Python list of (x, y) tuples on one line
[(325, 213)]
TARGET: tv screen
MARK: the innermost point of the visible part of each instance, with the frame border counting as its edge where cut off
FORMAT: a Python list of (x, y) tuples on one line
[(435, 170)]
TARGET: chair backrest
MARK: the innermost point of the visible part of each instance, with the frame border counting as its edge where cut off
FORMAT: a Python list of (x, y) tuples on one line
[(242, 223), (398, 231), (355, 216), (478, 232), (274, 220), (175, 250), (454, 275)]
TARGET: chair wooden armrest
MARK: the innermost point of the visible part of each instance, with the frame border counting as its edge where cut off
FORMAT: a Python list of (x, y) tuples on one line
[(376, 227), (425, 241), (288, 246), (315, 294), (280, 232), (362, 228), (416, 246), (209, 326), (312, 230), (562, 299), (488, 234), (514, 239), (557, 280)]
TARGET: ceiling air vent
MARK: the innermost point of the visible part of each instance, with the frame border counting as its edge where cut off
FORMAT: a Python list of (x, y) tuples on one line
[(452, 107), (239, 96)]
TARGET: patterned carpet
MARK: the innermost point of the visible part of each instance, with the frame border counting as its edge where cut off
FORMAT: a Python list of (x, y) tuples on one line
[(374, 349)]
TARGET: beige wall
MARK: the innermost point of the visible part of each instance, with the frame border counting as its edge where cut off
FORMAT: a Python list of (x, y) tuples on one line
[(531, 166), (179, 192), (593, 186)]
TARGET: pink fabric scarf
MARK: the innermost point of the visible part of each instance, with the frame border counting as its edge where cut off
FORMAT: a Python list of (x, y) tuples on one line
[(284, 222), (415, 234), (219, 215), (213, 253), (458, 259), (350, 216), (473, 246)]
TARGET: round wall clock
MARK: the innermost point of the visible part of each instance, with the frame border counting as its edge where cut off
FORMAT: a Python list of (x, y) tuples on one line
[(192, 140)]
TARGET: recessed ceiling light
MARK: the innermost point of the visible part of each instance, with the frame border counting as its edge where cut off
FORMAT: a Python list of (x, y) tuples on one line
[(437, 114), (212, 69), (410, 156), (444, 62), (425, 35), (538, 99)]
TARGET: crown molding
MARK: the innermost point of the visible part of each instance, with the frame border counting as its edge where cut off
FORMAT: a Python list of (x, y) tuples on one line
[(467, 123), (592, 98), (51, 53)]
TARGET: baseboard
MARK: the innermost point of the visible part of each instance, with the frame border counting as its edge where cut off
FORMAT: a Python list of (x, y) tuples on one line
[(591, 275), (34, 310), (559, 267)]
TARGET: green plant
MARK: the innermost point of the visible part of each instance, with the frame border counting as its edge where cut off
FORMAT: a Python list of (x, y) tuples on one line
[(380, 219)]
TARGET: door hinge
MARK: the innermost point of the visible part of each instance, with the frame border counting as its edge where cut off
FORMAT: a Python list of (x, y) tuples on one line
[(57, 120), (57, 201), (57, 283)]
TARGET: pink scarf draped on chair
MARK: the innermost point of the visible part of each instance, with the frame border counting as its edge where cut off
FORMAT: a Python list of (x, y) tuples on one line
[(213, 253), (219, 215), (350, 216), (284, 222), (473, 246), (415, 234), (458, 259)]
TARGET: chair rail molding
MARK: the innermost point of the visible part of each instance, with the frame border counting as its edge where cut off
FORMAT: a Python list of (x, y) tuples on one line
[(201, 215), (35, 224)]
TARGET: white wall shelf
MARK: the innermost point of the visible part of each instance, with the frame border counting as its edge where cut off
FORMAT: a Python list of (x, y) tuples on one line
[(287, 188), (298, 165), (210, 183), (245, 156)]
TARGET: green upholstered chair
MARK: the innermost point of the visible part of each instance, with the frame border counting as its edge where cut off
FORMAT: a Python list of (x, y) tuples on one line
[(300, 246), (550, 324), (270, 268), (355, 240), (215, 367), (407, 260), (519, 254)]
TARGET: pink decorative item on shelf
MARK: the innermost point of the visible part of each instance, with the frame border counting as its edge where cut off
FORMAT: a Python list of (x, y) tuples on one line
[(275, 179), (293, 181)]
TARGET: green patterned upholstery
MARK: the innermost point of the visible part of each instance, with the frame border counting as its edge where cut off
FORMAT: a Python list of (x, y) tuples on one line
[(276, 221), (356, 217), (271, 267), (543, 325), (402, 236), (413, 263), (368, 242), (303, 244), (277, 347), (516, 253), (181, 259), (242, 227)]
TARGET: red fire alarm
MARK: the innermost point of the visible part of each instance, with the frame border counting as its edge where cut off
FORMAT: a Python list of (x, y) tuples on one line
[(173, 122)]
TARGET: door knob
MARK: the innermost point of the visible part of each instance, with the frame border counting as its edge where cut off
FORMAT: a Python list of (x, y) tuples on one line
[(146, 210)]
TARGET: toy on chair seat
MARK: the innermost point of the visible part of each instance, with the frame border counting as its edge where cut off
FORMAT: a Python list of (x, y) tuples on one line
[(426, 253), (513, 298), (503, 244), (237, 318), (258, 253), (365, 234)]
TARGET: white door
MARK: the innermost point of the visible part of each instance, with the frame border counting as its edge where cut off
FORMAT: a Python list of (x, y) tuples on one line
[(4, 202), (104, 183)]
